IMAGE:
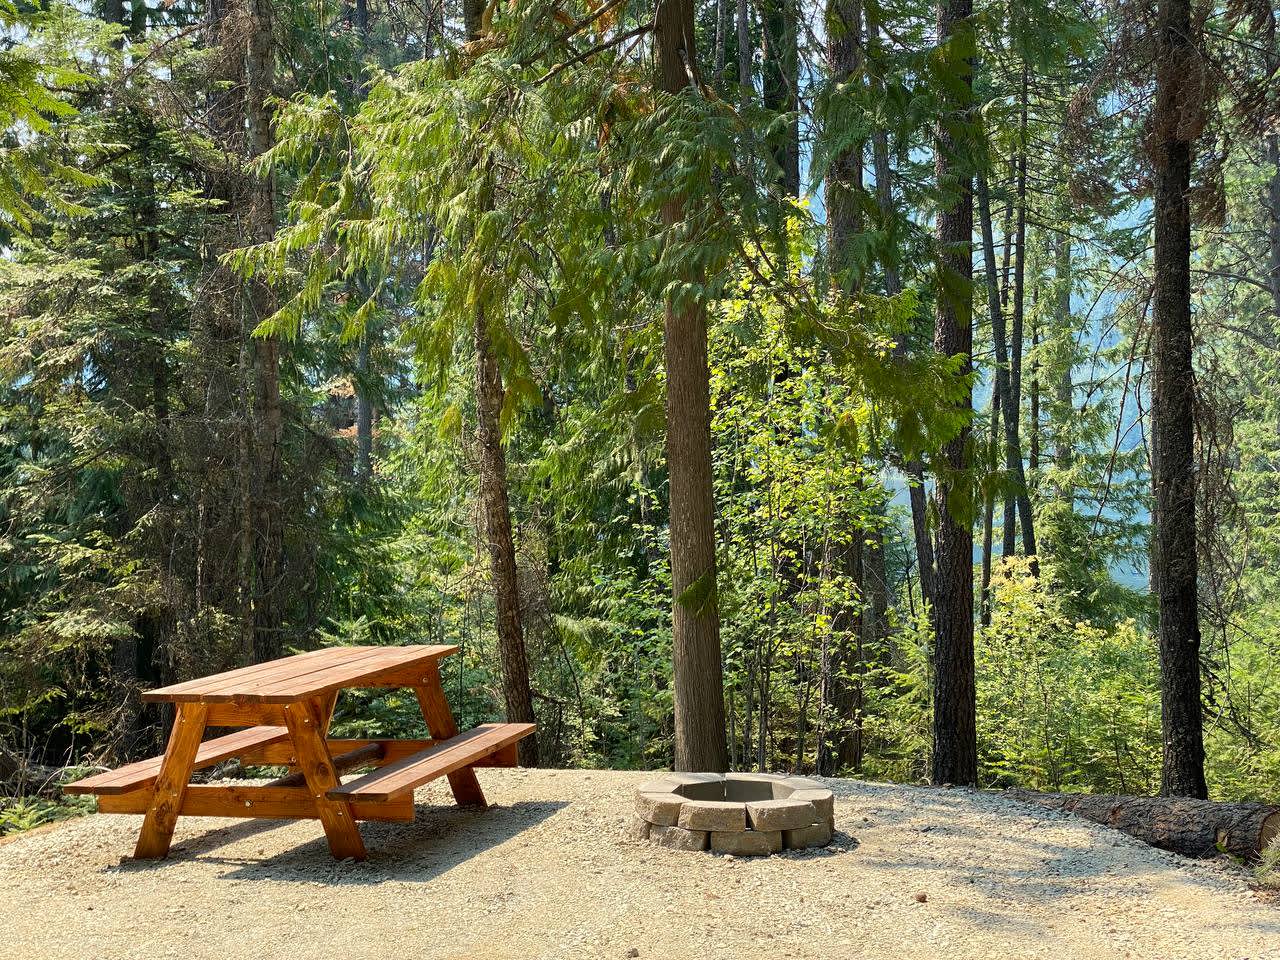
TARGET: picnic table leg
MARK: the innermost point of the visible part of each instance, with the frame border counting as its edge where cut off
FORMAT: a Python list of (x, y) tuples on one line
[(307, 723), (171, 783), (442, 726)]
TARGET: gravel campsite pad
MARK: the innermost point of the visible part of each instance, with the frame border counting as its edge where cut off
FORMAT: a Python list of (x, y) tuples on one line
[(549, 872)]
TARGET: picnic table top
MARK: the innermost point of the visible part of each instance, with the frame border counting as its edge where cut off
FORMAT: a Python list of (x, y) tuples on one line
[(305, 675)]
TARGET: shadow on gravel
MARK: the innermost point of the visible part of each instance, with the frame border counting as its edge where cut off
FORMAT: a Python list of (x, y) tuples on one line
[(438, 839), (1008, 853)]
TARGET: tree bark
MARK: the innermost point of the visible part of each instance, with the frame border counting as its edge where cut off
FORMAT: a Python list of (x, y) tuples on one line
[(779, 27), (269, 499), (1175, 121), (699, 673), (1191, 827), (844, 176), (364, 403), (1273, 224), (1013, 395), (955, 744), (1063, 454), (517, 692)]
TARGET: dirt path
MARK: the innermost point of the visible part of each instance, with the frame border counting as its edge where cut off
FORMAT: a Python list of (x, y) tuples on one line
[(547, 874)]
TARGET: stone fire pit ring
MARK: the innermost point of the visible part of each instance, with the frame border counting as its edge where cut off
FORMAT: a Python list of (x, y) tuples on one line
[(742, 814)]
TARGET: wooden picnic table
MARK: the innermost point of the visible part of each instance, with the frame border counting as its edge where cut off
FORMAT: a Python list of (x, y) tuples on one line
[(285, 707)]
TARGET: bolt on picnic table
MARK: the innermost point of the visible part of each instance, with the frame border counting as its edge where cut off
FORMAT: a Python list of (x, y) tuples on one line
[(285, 706)]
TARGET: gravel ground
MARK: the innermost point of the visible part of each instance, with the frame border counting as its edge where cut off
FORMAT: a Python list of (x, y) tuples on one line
[(547, 873)]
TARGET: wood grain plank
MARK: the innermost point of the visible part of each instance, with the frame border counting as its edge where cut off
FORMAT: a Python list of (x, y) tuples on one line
[(245, 801), (245, 715), (463, 750), (306, 726), (348, 674), (241, 675), (441, 725), (303, 676), (171, 782), (135, 776)]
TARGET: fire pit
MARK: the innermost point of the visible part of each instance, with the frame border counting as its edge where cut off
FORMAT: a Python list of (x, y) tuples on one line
[(744, 814)]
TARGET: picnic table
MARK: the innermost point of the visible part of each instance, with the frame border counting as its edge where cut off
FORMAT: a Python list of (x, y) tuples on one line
[(285, 707)]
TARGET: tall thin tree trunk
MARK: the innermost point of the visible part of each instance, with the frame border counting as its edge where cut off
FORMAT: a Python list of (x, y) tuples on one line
[(364, 403), (1013, 396), (1176, 118), (1063, 454), (1273, 224), (517, 692), (779, 29), (269, 510), (1033, 402), (955, 745), (844, 176), (844, 223), (699, 672)]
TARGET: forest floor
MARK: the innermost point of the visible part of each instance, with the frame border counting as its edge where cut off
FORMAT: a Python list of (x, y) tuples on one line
[(548, 873)]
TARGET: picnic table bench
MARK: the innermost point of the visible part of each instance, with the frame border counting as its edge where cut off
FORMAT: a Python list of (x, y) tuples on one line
[(285, 707)]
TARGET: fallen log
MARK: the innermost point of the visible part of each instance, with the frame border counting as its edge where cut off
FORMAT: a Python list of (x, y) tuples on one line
[(1193, 828)]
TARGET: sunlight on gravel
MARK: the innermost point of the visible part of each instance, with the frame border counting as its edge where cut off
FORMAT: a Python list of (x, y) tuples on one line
[(547, 873)]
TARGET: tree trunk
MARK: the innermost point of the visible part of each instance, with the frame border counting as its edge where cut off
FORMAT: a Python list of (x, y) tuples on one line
[(955, 744), (364, 403), (779, 27), (699, 673), (844, 176), (269, 494), (1193, 828), (516, 692), (364, 412), (1175, 119), (1273, 224), (1063, 454), (876, 580), (1033, 411), (1013, 395)]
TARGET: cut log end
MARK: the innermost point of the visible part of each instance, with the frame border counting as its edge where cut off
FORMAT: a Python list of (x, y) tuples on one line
[(1270, 831)]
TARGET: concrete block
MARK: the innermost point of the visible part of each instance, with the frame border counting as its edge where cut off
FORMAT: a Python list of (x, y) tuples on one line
[(822, 801), (780, 814), (658, 785), (660, 808), (677, 838), (803, 783), (637, 828), (713, 815), (744, 787), (801, 838), (749, 843)]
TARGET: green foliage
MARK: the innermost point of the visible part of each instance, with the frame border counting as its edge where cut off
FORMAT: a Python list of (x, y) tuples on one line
[(27, 813), (1063, 704), (419, 184)]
